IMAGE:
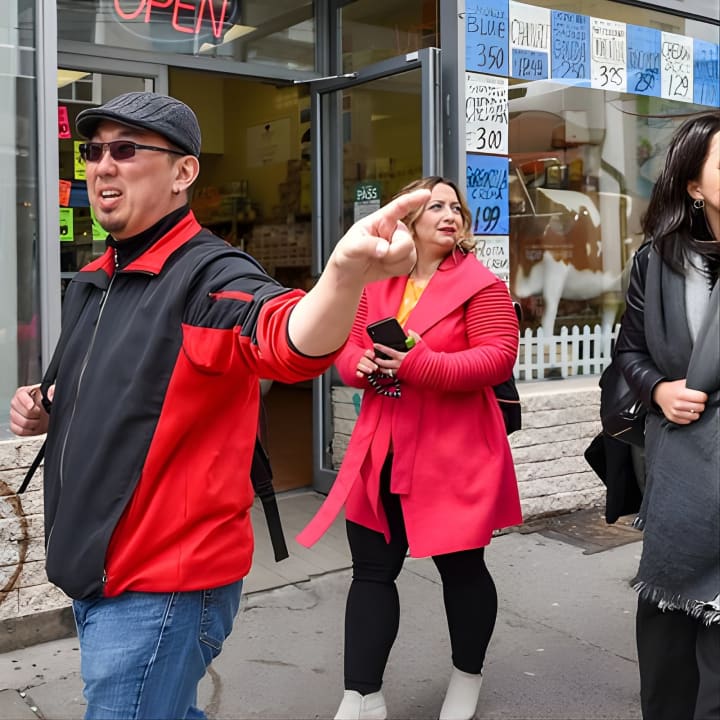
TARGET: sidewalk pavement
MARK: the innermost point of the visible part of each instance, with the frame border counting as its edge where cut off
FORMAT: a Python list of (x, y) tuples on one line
[(563, 647)]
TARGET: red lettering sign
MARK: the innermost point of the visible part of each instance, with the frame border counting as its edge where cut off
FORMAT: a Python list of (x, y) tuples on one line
[(63, 123), (215, 12)]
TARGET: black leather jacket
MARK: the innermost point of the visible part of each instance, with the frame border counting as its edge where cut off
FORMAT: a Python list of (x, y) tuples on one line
[(631, 351)]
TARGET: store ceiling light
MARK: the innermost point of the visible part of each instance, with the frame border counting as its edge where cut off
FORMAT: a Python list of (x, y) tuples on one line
[(65, 77), (235, 32)]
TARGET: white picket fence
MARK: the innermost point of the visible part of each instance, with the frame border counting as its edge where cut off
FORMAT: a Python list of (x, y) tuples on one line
[(575, 351)]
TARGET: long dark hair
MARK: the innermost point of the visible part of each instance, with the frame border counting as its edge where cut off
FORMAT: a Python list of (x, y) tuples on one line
[(670, 215)]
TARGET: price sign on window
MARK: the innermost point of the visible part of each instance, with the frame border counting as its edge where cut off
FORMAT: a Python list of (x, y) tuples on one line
[(486, 114), (676, 70), (608, 54), (706, 73), (643, 60), (487, 194), (486, 36), (493, 251), (571, 48), (529, 41), (67, 231), (63, 123)]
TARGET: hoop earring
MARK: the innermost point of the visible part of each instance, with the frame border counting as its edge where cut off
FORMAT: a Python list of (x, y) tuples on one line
[(699, 228)]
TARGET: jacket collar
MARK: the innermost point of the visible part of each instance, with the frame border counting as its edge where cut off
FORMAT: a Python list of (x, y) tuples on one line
[(154, 258), (455, 281)]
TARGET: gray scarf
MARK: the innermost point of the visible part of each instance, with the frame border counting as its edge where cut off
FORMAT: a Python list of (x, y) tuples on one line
[(680, 513)]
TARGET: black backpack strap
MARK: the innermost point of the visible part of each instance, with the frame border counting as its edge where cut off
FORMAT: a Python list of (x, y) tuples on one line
[(31, 470), (261, 476), (47, 381)]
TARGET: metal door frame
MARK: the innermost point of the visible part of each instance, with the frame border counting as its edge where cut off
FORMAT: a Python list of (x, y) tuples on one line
[(327, 148)]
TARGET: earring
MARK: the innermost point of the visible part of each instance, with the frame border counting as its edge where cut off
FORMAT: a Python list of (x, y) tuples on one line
[(699, 228)]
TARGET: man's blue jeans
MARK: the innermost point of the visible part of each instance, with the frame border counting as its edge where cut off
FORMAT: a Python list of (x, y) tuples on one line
[(143, 654)]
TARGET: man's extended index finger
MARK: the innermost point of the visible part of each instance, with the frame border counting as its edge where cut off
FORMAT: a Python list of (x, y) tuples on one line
[(384, 221)]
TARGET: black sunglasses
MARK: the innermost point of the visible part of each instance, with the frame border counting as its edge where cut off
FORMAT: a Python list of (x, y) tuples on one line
[(119, 150)]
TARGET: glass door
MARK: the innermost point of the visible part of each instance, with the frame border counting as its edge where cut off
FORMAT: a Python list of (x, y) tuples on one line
[(374, 131), (78, 87)]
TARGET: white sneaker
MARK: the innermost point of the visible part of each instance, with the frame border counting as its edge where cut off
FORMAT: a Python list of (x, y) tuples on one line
[(462, 696), (355, 706)]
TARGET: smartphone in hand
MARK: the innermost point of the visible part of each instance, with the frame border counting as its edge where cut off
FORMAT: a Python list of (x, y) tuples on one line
[(388, 332)]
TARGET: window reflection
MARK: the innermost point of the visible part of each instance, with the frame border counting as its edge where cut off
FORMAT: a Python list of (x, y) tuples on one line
[(582, 166), (375, 30)]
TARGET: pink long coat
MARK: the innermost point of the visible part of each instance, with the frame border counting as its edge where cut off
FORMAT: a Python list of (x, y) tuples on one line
[(452, 465)]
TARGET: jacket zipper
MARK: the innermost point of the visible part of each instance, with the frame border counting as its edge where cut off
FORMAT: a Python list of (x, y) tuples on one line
[(83, 367)]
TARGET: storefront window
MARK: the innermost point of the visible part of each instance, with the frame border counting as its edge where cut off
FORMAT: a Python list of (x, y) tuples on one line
[(576, 112), (582, 165), (19, 316), (280, 33), (374, 30)]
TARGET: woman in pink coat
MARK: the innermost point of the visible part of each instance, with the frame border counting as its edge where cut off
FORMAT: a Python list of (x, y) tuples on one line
[(428, 466)]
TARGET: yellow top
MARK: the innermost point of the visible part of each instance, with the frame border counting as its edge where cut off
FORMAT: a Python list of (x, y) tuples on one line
[(410, 298)]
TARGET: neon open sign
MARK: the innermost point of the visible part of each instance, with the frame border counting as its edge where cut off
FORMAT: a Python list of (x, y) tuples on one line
[(186, 16)]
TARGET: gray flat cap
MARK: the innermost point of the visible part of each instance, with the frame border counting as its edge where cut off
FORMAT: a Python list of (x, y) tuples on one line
[(162, 114)]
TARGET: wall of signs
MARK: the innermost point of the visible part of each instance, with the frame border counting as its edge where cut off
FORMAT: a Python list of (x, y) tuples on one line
[(507, 39)]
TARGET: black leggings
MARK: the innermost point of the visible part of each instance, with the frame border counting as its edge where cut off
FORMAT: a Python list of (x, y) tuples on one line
[(372, 614)]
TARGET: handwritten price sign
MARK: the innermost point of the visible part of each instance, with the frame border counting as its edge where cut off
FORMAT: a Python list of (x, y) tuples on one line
[(529, 41), (706, 74), (608, 54), (487, 194), (676, 69), (571, 48), (486, 114), (493, 251), (486, 36), (643, 60)]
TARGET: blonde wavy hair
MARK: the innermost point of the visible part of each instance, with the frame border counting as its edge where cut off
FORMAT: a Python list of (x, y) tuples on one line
[(466, 243)]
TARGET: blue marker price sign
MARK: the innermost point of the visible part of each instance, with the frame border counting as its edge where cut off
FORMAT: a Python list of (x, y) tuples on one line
[(571, 48), (487, 194), (643, 60), (706, 74), (486, 36)]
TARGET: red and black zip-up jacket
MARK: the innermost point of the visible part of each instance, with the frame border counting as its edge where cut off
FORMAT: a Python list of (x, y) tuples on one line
[(154, 418)]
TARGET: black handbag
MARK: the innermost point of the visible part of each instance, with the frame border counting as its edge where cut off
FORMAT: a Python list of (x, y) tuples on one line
[(509, 401), (621, 413), (507, 395)]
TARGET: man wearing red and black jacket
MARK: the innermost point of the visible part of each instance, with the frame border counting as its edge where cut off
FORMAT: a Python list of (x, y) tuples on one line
[(154, 410)]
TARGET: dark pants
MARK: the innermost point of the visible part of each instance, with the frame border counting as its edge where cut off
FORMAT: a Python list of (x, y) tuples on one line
[(372, 613), (679, 659)]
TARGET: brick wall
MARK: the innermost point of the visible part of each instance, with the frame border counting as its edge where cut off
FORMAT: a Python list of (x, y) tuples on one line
[(24, 587), (559, 421)]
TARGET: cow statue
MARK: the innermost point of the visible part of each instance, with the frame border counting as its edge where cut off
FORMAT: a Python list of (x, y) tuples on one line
[(557, 249)]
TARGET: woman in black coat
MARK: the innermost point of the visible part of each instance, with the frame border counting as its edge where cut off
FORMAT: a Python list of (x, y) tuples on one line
[(669, 352)]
